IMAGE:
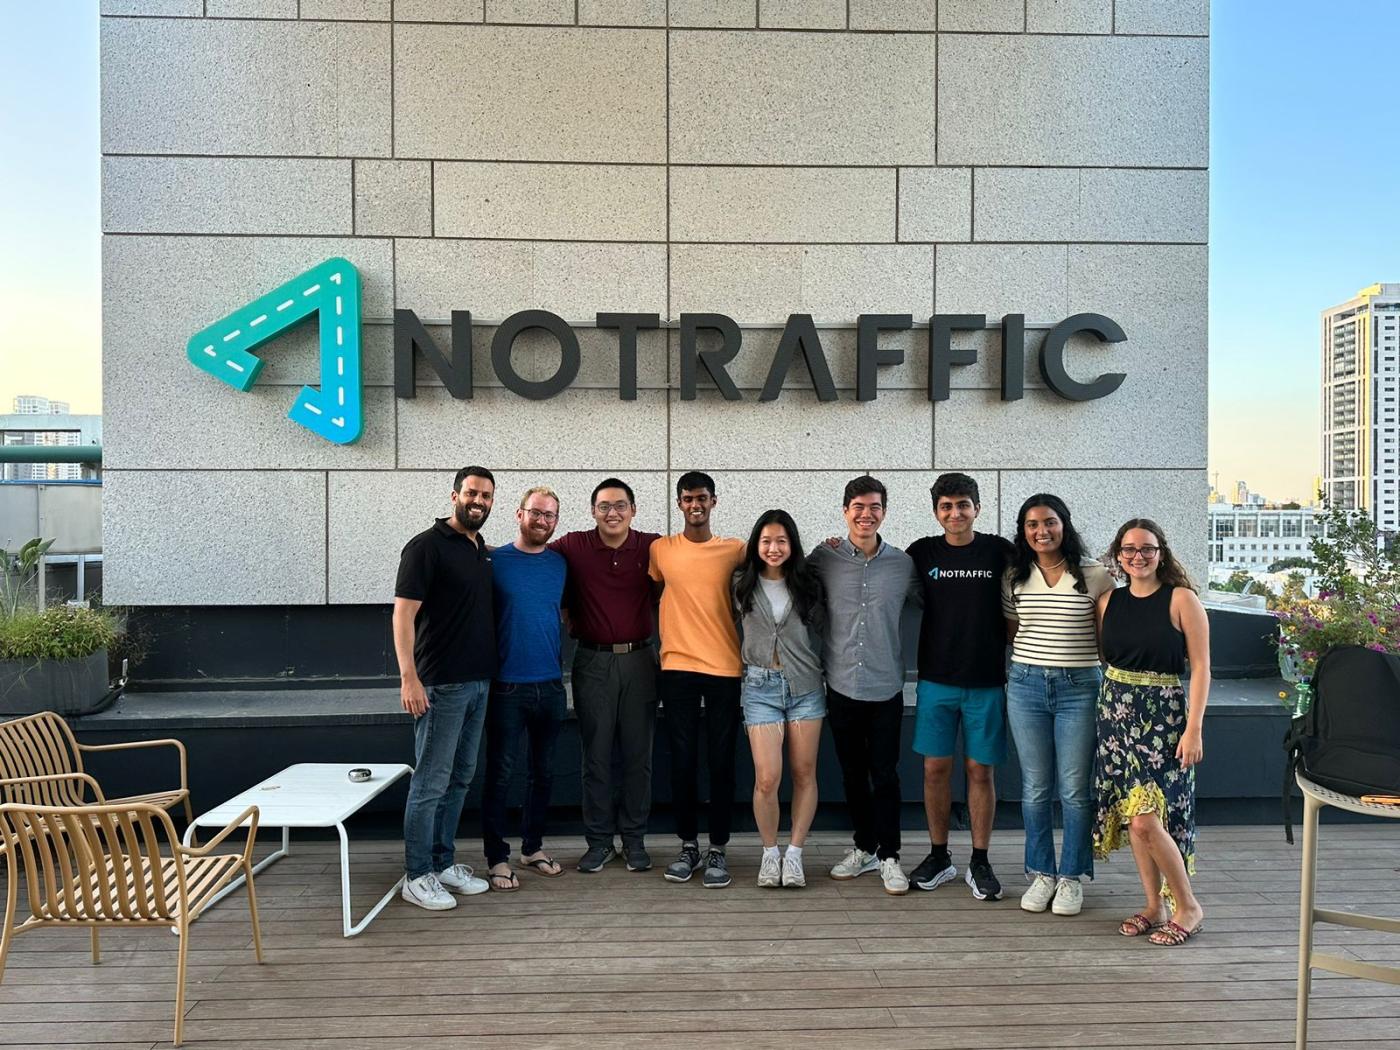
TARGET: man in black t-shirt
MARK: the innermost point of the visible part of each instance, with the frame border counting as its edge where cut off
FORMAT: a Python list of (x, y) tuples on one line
[(962, 678), (445, 641)]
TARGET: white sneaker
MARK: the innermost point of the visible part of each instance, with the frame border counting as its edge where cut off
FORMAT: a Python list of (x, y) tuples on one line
[(770, 870), (1069, 897), (427, 892), (793, 875), (459, 879), (1037, 898), (856, 862), (896, 882)]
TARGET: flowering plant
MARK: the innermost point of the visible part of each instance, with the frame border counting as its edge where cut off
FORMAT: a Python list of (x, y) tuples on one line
[(1358, 601), (1309, 627)]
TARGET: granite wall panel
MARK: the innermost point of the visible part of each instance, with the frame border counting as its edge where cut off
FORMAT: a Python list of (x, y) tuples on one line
[(756, 158)]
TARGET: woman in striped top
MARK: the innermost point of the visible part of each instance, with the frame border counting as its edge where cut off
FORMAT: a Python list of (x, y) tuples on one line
[(1049, 596)]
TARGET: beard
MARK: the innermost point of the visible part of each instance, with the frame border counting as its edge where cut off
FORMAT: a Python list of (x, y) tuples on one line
[(470, 521)]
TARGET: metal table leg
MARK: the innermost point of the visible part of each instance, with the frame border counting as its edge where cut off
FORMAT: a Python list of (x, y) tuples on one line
[(359, 927), (266, 862)]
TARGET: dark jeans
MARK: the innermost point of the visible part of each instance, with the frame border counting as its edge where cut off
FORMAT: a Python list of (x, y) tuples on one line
[(615, 700), (445, 742), (681, 693), (866, 734), (533, 711)]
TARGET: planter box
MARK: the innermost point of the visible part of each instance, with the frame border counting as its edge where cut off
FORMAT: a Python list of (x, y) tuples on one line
[(69, 687)]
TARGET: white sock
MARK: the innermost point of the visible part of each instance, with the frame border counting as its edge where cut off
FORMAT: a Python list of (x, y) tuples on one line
[(795, 852), (770, 851)]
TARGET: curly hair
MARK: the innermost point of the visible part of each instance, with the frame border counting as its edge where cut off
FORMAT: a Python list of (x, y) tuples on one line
[(1169, 570)]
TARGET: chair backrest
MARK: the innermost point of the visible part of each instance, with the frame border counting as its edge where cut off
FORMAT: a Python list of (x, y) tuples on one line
[(94, 863), (35, 746)]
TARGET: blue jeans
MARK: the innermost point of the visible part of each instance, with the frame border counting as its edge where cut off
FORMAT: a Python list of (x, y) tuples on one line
[(1052, 716), (445, 743), (527, 713)]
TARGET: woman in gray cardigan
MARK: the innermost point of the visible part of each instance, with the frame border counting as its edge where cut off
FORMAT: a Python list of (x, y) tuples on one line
[(778, 603)]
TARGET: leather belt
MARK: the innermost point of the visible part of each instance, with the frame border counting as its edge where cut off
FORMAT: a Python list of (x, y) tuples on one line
[(616, 647)]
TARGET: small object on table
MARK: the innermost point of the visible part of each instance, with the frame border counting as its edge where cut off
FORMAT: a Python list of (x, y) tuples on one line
[(360, 774), (310, 795)]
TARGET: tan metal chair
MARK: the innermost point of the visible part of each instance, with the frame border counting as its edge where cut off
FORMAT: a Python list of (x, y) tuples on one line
[(1315, 797), (39, 755), (116, 865)]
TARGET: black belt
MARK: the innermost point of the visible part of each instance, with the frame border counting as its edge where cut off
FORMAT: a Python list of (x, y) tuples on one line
[(616, 647)]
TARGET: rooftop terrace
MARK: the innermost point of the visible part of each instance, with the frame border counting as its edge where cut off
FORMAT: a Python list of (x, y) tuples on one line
[(629, 960)]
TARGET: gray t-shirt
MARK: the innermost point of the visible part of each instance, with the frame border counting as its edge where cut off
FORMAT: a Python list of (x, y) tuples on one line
[(779, 597)]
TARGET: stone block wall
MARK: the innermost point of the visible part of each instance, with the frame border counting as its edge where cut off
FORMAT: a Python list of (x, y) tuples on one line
[(749, 157)]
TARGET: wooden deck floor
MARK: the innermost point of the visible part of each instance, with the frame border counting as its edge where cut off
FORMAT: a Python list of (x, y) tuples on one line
[(629, 960)]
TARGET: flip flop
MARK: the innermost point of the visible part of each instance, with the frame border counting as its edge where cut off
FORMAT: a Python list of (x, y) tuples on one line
[(1137, 924), (512, 883), (541, 866), (1173, 934)]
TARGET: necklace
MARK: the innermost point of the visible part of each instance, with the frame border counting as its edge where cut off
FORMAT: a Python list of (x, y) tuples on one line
[(1043, 568)]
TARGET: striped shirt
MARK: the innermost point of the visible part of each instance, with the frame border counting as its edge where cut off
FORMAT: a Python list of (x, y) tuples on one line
[(1056, 625)]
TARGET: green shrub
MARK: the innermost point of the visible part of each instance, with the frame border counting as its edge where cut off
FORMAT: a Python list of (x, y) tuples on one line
[(58, 633)]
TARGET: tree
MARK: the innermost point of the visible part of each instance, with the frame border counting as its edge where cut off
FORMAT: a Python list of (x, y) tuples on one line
[(1291, 563), (1352, 560)]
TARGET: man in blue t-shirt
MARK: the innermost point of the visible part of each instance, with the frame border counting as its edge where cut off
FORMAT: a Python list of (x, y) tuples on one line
[(527, 696)]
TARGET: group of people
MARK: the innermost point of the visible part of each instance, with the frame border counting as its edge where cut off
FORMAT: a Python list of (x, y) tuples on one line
[(781, 638)]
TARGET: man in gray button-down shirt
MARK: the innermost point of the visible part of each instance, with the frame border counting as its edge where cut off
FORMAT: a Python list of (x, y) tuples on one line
[(867, 583)]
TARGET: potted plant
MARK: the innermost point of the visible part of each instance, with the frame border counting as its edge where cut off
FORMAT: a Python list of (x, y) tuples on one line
[(53, 659), (1357, 603)]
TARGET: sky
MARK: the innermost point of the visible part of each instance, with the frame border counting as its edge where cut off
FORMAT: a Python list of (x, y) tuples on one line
[(1305, 189)]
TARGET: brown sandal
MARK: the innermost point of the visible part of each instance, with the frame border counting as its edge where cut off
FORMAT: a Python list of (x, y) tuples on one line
[(507, 883), (542, 865), (1137, 924), (1170, 934)]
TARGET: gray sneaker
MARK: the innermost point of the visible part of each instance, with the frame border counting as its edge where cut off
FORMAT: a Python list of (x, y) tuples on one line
[(683, 867), (716, 870), (595, 858), (638, 859)]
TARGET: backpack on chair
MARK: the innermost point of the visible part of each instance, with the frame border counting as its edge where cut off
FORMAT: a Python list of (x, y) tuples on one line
[(1349, 740)]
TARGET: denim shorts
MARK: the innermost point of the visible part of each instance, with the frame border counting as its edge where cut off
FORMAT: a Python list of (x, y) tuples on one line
[(981, 712), (767, 699)]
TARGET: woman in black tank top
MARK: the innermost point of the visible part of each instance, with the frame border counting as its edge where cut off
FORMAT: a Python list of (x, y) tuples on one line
[(1149, 735)]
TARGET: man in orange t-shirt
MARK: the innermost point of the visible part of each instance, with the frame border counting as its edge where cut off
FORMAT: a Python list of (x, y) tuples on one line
[(693, 572)]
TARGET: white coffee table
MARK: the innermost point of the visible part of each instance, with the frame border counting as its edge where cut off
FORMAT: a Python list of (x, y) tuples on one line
[(309, 795)]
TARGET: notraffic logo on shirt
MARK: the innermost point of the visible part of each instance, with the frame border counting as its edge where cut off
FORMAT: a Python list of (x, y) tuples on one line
[(331, 293), (960, 574)]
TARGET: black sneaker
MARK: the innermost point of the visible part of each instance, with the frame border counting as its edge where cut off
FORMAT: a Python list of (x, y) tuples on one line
[(683, 867), (595, 858), (983, 881), (933, 871), (716, 870), (638, 859)]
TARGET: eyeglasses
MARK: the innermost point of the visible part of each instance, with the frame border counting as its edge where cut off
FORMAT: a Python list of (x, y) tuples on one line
[(1132, 553), (620, 507), (541, 515)]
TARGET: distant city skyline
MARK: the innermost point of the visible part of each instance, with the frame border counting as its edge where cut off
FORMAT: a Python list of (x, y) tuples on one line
[(1295, 227)]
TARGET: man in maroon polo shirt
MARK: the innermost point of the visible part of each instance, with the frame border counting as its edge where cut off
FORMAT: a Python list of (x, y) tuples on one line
[(611, 614)]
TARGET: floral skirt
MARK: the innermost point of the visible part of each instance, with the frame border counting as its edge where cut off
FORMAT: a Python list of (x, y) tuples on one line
[(1140, 721)]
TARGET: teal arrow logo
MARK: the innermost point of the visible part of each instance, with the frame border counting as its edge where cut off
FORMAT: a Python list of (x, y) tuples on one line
[(331, 291)]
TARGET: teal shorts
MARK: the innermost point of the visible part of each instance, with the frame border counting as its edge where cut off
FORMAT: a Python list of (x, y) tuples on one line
[(981, 712)]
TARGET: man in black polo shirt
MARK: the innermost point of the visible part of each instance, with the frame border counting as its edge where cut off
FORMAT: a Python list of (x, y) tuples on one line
[(962, 678), (445, 640)]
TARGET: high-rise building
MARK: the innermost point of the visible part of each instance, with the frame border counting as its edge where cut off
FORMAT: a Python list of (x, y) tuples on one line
[(1361, 404)]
